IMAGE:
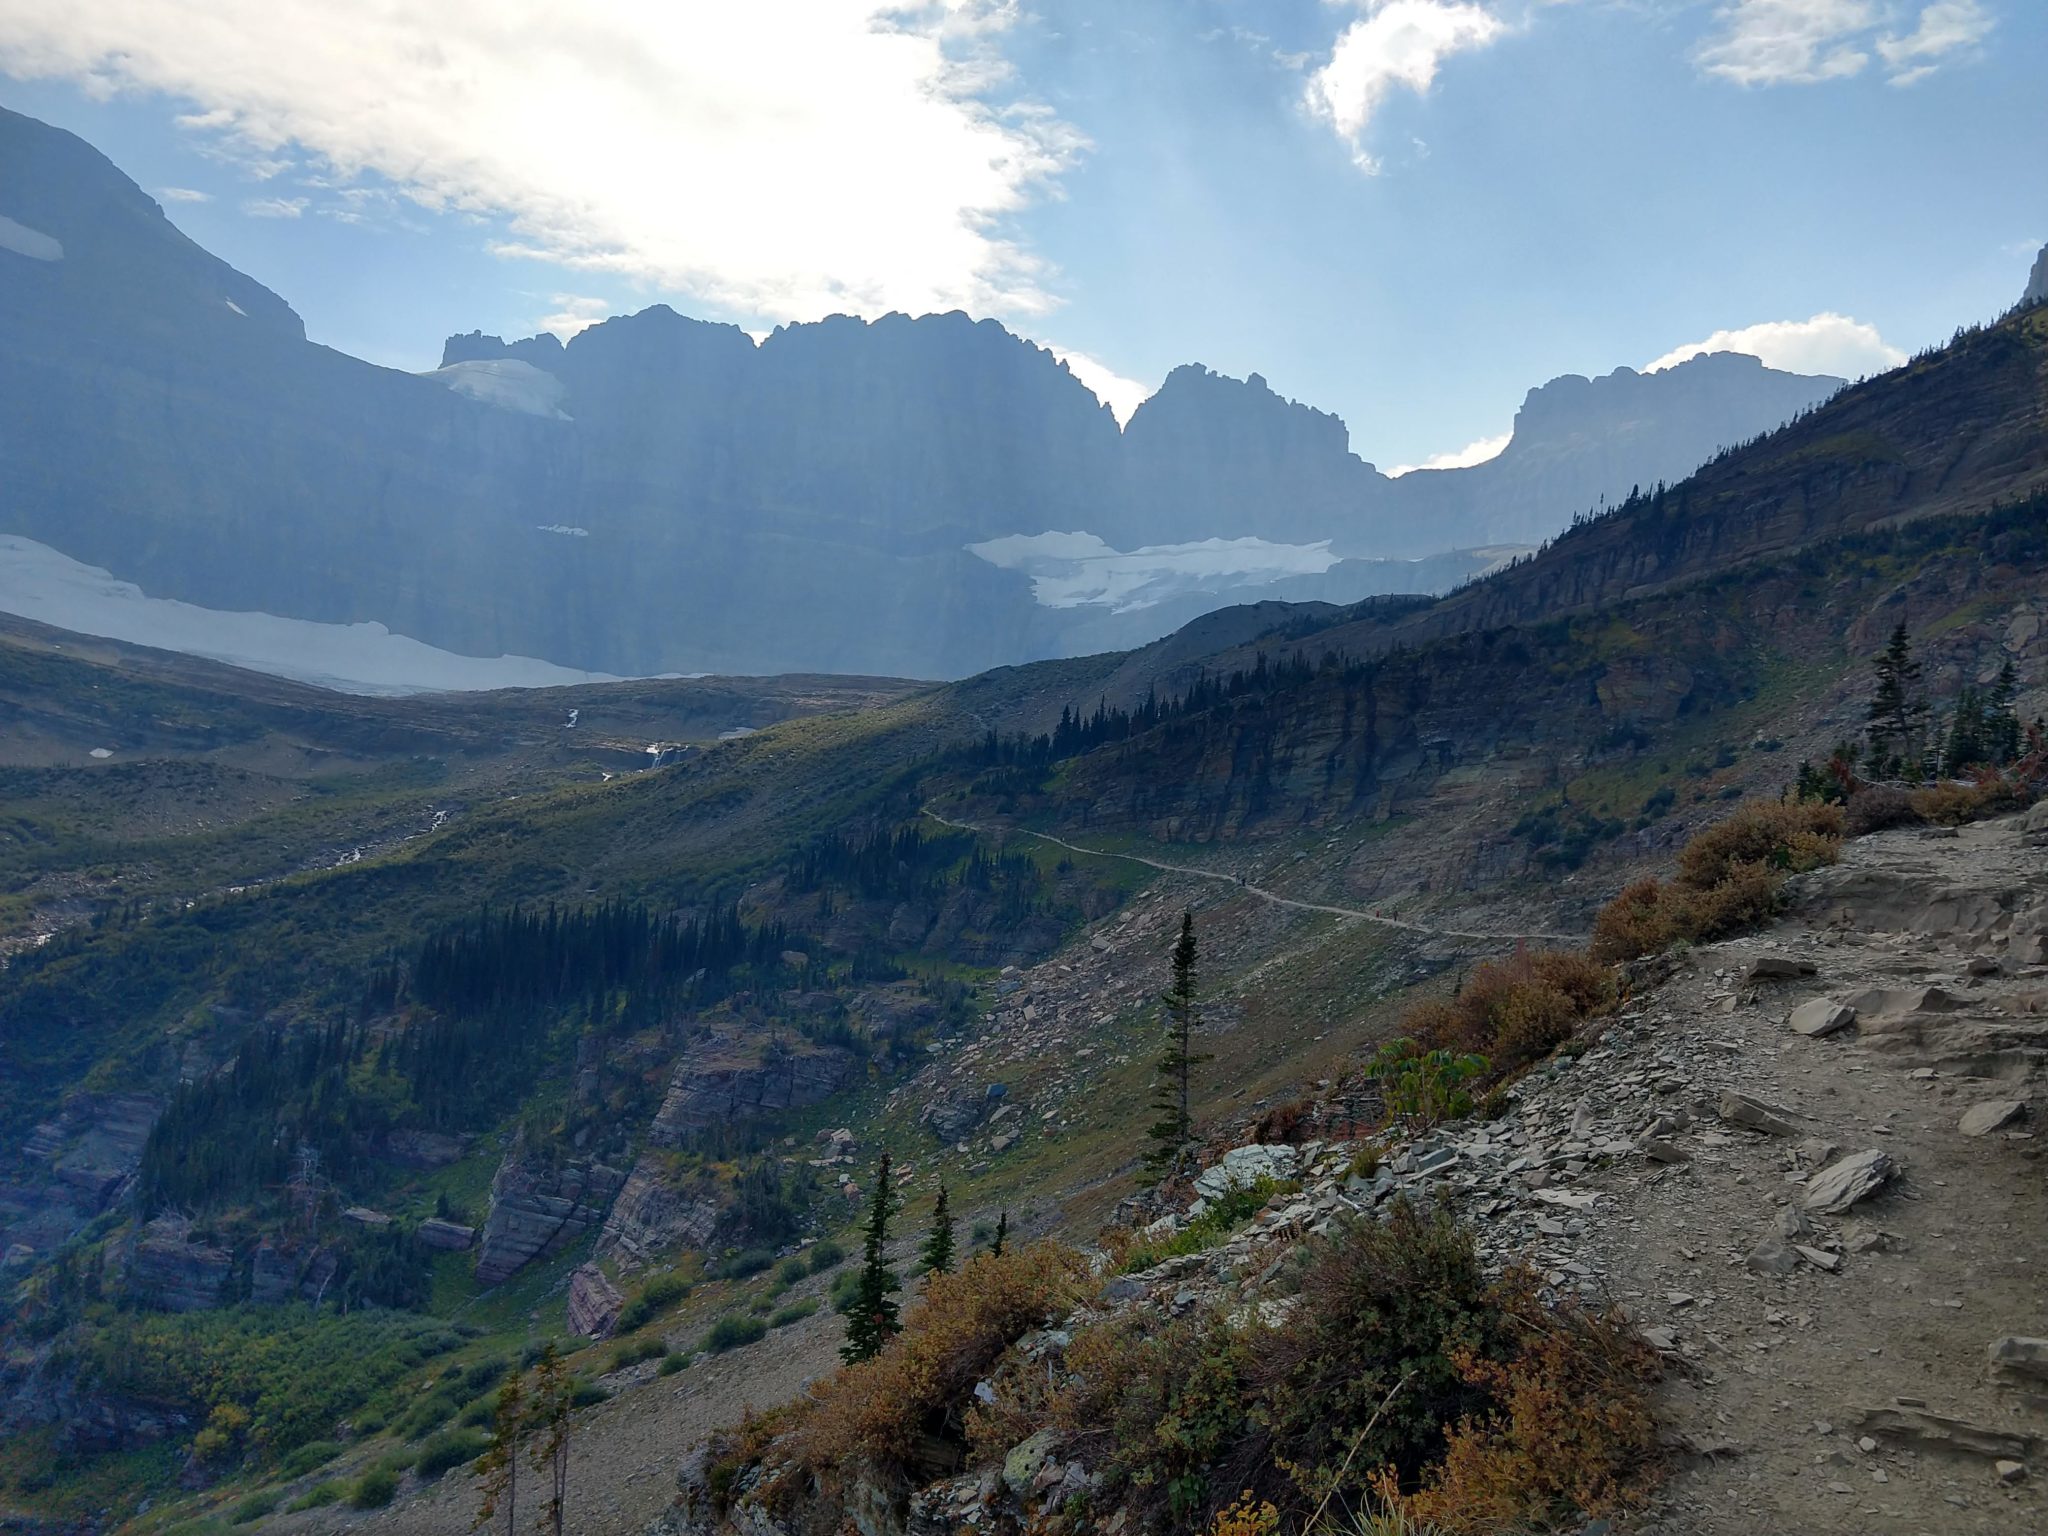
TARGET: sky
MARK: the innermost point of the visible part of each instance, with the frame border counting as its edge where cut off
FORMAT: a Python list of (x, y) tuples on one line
[(1408, 212)]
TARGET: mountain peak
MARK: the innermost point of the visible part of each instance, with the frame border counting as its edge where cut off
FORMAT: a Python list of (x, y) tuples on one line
[(2037, 280)]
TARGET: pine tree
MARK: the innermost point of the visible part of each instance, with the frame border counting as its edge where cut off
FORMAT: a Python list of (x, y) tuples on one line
[(1002, 1234), (2003, 738), (872, 1319), (498, 1467), (1174, 1130), (553, 1400), (937, 1257), (1898, 711)]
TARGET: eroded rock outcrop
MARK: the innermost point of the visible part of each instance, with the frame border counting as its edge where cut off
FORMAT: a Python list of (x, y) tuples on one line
[(723, 1079), (537, 1211), (173, 1270), (652, 1217)]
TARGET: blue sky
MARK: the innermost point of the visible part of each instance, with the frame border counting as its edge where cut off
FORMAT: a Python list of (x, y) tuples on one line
[(1404, 211)]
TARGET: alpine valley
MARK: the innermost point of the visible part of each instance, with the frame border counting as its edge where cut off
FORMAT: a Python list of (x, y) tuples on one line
[(372, 1056)]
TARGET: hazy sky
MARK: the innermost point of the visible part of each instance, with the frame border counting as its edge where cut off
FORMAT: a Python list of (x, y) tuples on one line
[(1406, 211)]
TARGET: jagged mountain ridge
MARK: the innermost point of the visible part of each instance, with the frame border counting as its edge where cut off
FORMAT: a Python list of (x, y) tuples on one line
[(663, 495)]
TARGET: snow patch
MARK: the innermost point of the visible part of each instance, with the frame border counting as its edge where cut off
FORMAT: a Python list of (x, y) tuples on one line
[(564, 529), (1076, 570), (231, 304), (505, 382), (32, 243), (40, 583)]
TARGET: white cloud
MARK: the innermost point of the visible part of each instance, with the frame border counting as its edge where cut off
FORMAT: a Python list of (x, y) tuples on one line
[(1946, 27), (1800, 42), (1826, 343), (183, 195), (1120, 394), (574, 312), (274, 207), (784, 158), (1396, 44), (1458, 458)]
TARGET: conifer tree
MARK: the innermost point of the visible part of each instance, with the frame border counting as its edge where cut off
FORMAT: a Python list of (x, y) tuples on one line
[(1174, 1131), (553, 1401), (1002, 1233), (498, 1467), (937, 1257), (872, 1319), (1898, 711), (2003, 736)]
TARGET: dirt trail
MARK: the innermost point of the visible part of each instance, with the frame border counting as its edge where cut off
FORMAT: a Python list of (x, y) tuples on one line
[(1260, 892), (1888, 1309)]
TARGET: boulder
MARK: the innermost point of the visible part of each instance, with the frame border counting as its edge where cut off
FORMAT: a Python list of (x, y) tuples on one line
[(1242, 1167), (1772, 1256), (1027, 1459), (1843, 1183), (1917, 1429), (1754, 1114), (2021, 1356), (1992, 1115), (1819, 1017), (447, 1236)]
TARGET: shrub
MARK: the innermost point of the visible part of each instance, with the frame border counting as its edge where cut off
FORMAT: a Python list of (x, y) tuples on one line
[(255, 1507), (1424, 1087), (319, 1496), (1783, 837), (1381, 1304), (454, 1448), (795, 1312), (791, 1270), (733, 1331), (751, 1261), (826, 1255), (1289, 1123), (1876, 807), (1224, 1215), (656, 1297), (373, 1490), (428, 1415), (1569, 1432), (587, 1394), (1728, 879), (670, 1364), (1951, 805), (876, 1411), (314, 1453), (1512, 1011), (628, 1355)]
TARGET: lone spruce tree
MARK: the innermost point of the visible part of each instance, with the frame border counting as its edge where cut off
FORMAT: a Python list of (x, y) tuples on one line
[(937, 1256), (554, 1399), (1898, 711), (498, 1467), (1002, 1234), (872, 1319), (1173, 1133)]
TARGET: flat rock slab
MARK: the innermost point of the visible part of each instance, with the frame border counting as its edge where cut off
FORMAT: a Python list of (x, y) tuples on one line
[(1821, 1016), (1992, 1115), (1741, 1109), (1778, 968), (1895, 1002), (1842, 1184), (1921, 1430)]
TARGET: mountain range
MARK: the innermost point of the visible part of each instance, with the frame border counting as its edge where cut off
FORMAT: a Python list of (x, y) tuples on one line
[(921, 496)]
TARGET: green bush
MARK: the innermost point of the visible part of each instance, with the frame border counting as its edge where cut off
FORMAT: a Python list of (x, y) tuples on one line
[(750, 1261), (428, 1415), (825, 1255), (795, 1312), (733, 1332), (670, 1364), (791, 1270), (480, 1413), (319, 1496), (656, 1297), (588, 1394), (845, 1290), (373, 1490), (631, 1354), (314, 1453), (1224, 1216), (451, 1448), (254, 1507)]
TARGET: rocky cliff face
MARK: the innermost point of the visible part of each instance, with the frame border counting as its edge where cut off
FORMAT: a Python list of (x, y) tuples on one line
[(172, 1269), (724, 1078), (537, 1211), (651, 1217), (2037, 280), (661, 494)]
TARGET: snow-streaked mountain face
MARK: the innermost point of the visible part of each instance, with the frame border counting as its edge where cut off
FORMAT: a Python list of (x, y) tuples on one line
[(36, 582), (663, 494), (32, 243), (507, 383)]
